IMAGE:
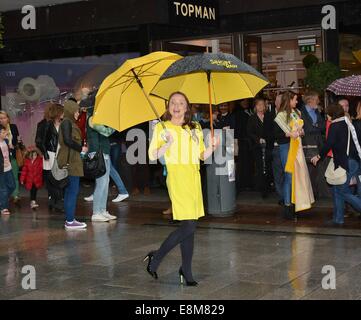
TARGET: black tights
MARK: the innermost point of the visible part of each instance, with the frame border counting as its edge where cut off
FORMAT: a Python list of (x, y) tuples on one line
[(184, 236), (33, 192)]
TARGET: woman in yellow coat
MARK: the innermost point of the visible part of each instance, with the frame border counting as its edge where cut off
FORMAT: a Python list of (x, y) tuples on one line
[(182, 146)]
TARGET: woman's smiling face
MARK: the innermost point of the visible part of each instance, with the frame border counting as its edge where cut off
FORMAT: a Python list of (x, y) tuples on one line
[(177, 106)]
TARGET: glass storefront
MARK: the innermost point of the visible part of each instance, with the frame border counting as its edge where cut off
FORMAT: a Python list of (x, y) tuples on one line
[(350, 54), (280, 56), (277, 54)]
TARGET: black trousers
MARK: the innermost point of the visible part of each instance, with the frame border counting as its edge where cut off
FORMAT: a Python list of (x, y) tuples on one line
[(245, 166), (184, 236), (55, 194), (33, 193)]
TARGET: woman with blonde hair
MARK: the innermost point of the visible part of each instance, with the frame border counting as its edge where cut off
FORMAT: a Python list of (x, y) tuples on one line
[(13, 140)]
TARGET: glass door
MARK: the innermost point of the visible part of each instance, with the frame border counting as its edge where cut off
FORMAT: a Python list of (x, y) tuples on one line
[(253, 51)]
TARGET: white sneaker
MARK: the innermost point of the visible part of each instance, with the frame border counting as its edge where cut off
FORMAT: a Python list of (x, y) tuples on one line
[(98, 217), (33, 204), (108, 215), (120, 197), (90, 198)]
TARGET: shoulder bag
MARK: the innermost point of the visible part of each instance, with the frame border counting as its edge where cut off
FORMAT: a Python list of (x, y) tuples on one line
[(337, 176)]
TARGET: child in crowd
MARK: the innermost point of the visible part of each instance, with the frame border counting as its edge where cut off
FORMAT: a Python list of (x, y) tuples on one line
[(32, 174), (7, 181)]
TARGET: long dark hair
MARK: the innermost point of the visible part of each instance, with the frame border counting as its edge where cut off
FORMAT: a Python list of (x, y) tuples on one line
[(286, 103), (187, 116)]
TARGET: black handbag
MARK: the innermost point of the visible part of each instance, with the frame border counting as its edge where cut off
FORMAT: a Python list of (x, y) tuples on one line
[(94, 165)]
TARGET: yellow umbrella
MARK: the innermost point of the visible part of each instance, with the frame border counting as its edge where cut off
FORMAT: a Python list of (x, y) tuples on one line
[(357, 55), (123, 98), (211, 78)]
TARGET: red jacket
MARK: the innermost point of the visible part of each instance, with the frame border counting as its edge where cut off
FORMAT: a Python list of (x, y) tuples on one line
[(32, 173), (81, 122), (328, 124)]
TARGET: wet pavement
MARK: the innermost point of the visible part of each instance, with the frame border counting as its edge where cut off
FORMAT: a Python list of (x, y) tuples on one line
[(253, 254)]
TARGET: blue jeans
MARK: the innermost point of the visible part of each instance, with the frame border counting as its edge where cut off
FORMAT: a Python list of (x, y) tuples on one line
[(278, 172), (343, 193), (100, 196), (70, 197), (7, 187), (115, 154), (117, 179), (287, 182)]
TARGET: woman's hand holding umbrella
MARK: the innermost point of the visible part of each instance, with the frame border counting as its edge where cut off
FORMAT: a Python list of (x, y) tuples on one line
[(213, 143)]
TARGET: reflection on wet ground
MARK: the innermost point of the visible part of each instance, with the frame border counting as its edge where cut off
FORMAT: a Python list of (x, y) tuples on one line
[(251, 255)]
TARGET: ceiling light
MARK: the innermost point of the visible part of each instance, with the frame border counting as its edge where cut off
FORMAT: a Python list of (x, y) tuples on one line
[(278, 47)]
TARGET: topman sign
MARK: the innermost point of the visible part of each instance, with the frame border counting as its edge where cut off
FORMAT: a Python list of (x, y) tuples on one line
[(191, 12)]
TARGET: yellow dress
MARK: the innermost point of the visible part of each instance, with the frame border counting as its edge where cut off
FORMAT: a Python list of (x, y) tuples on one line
[(182, 161)]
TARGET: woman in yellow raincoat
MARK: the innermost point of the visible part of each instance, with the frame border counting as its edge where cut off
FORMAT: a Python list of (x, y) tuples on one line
[(297, 188), (182, 146)]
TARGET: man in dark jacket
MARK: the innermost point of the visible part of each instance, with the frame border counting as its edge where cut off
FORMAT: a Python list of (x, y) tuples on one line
[(313, 140), (244, 174)]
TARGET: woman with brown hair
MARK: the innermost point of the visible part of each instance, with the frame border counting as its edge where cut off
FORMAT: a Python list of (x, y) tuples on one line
[(343, 140), (182, 146), (14, 139), (297, 189), (47, 142)]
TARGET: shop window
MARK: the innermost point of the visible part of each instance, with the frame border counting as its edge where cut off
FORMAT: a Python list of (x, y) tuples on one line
[(26, 87), (282, 54), (350, 54)]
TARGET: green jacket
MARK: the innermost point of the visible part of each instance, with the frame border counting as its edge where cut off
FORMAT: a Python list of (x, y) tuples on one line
[(70, 141), (97, 137)]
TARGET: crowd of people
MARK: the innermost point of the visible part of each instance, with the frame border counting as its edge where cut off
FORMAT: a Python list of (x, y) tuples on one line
[(277, 146)]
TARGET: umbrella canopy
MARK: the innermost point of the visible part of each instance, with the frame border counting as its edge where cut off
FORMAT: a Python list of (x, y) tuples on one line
[(349, 86), (212, 78), (230, 79), (123, 98)]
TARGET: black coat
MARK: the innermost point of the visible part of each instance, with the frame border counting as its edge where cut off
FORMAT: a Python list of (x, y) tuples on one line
[(337, 142), (46, 137), (15, 133), (314, 132), (225, 121), (241, 119), (255, 130), (268, 128)]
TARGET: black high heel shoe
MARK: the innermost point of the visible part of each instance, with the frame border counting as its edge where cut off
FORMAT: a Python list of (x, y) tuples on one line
[(149, 257), (183, 279)]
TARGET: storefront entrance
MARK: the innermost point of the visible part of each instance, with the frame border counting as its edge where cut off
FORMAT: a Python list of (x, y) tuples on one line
[(278, 54)]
